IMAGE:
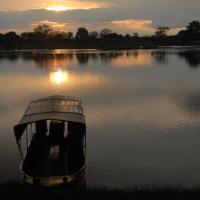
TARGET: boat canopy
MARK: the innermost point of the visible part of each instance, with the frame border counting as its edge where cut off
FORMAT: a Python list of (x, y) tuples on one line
[(61, 108)]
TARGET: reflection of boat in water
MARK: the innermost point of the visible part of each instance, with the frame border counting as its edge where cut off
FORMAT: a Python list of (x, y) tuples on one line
[(52, 132)]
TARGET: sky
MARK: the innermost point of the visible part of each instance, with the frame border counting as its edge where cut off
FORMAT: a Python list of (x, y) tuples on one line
[(122, 16)]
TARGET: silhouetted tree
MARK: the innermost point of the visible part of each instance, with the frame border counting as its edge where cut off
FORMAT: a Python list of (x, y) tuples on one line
[(115, 36), (11, 39), (27, 35), (59, 35), (192, 32), (11, 36), (1, 36), (127, 37), (43, 31), (105, 32), (93, 35), (82, 34), (70, 35), (194, 27), (181, 33), (161, 31), (135, 35)]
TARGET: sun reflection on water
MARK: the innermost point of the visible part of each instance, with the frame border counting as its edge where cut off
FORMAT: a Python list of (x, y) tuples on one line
[(59, 77)]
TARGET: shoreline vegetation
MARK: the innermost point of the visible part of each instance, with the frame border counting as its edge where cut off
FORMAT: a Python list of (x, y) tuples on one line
[(45, 37), (14, 190)]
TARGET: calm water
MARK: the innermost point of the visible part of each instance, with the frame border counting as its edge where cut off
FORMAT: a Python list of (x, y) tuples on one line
[(142, 110)]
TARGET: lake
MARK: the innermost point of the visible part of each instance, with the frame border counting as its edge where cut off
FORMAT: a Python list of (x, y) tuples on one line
[(142, 110)]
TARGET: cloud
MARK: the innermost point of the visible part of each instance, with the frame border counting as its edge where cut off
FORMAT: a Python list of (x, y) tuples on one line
[(120, 15), (144, 26), (55, 25), (175, 30), (21, 5)]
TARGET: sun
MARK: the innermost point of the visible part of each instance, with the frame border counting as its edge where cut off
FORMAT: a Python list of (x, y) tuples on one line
[(58, 8)]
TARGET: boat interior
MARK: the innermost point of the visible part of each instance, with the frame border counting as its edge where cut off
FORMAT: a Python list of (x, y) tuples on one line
[(55, 148)]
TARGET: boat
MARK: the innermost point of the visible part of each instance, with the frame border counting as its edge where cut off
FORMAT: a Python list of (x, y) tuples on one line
[(51, 137)]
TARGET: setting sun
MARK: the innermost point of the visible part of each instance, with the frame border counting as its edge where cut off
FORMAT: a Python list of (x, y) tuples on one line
[(59, 8)]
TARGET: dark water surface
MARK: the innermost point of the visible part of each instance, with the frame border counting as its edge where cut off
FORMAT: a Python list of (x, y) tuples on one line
[(142, 110)]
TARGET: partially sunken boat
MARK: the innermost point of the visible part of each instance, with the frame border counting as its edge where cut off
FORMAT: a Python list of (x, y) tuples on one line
[(51, 137)]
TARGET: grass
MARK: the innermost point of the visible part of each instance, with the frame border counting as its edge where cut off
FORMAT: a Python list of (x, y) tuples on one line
[(13, 190)]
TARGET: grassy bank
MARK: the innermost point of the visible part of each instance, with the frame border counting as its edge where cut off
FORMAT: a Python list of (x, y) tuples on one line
[(20, 191)]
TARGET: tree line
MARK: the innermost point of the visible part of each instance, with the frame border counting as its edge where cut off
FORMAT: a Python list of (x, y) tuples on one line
[(44, 36)]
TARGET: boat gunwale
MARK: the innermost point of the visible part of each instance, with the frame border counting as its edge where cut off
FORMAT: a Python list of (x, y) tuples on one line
[(58, 97), (69, 178)]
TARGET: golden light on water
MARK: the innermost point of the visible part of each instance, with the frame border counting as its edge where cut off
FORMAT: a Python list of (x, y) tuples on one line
[(59, 77), (141, 59)]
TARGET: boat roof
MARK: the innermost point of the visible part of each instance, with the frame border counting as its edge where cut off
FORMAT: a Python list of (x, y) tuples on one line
[(52, 108)]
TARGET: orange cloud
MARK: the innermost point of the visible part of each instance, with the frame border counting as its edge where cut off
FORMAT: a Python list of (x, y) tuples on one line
[(174, 31), (47, 4), (51, 23), (142, 25), (71, 5)]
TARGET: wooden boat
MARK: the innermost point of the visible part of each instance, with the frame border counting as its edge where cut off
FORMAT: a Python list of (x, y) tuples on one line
[(51, 138)]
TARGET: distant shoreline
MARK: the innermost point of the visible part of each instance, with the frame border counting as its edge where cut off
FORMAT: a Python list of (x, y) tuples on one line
[(103, 49), (45, 37)]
